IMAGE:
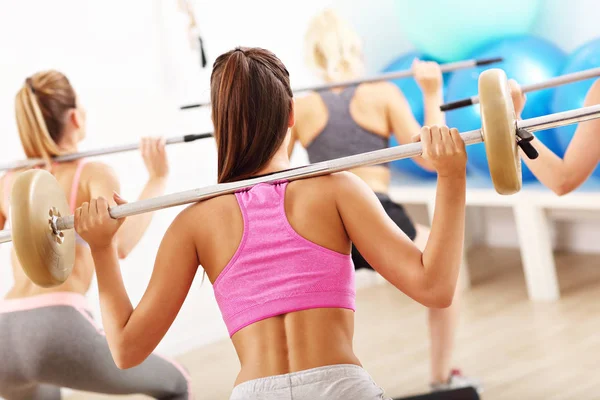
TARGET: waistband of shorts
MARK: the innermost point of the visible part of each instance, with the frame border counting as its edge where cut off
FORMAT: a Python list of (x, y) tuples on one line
[(308, 376), (72, 299)]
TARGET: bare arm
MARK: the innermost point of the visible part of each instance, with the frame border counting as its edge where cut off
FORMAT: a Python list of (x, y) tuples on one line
[(429, 77), (134, 227), (401, 119), (429, 277), (132, 231), (563, 176), (133, 333)]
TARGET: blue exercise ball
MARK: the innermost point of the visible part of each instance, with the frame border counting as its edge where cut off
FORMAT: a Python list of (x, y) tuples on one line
[(527, 59), (414, 97), (452, 30), (568, 97)]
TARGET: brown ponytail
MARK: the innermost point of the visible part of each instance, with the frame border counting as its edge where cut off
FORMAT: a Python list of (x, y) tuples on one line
[(40, 108), (251, 104)]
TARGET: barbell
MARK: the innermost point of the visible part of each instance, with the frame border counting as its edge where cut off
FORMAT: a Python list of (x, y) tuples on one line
[(43, 234), (448, 67), (553, 82), (34, 162)]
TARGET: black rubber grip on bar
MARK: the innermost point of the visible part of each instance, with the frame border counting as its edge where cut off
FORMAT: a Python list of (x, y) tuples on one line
[(190, 106), (488, 61), (528, 149), (456, 104), (192, 137)]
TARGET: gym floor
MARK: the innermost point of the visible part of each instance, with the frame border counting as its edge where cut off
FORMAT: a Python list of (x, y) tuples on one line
[(520, 349)]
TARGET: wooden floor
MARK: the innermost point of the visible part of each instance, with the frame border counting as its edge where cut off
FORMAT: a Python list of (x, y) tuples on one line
[(519, 349)]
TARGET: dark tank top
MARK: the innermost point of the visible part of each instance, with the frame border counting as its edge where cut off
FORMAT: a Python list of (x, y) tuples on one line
[(342, 136)]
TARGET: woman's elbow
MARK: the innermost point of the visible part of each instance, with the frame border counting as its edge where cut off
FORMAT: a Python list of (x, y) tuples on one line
[(125, 357), (126, 362), (123, 363), (124, 245), (564, 188), (442, 300), (567, 182), (438, 296), (123, 251)]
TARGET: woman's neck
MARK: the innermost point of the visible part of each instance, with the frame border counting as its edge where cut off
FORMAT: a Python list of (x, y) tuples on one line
[(279, 162), (68, 145), (330, 81)]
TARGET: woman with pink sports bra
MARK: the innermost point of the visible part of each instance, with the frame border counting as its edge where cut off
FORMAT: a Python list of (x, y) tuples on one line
[(278, 255), (48, 337)]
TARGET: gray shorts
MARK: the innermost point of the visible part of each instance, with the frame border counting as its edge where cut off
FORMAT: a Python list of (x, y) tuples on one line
[(51, 341), (334, 382)]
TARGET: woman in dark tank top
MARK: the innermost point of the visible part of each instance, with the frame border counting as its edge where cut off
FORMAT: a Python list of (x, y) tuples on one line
[(358, 119)]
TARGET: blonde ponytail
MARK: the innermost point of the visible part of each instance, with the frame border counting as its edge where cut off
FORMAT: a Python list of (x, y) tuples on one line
[(332, 48), (40, 108)]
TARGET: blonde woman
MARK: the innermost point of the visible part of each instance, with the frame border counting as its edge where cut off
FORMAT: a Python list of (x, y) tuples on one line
[(48, 337), (362, 118)]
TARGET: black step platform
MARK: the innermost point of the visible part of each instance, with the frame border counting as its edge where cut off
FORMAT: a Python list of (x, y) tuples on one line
[(468, 393)]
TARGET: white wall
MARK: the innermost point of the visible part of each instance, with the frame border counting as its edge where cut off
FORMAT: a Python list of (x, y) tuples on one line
[(130, 63)]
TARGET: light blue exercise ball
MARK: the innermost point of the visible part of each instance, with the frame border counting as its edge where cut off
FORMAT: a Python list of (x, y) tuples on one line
[(527, 59), (452, 30), (414, 97), (568, 97)]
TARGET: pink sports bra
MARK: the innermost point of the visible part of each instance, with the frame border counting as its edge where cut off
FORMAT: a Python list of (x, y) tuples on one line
[(72, 195), (275, 270)]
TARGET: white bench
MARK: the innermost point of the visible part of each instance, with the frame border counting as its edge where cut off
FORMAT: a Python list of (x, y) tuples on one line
[(530, 208)]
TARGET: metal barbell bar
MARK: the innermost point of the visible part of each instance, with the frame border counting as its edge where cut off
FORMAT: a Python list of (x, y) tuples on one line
[(330, 167), (321, 168), (448, 67), (34, 162), (550, 83)]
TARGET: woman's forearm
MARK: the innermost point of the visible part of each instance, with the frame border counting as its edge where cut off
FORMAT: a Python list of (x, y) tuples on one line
[(444, 250), (431, 108), (133, 228), (114, 302), (549, 169), (433, 116)]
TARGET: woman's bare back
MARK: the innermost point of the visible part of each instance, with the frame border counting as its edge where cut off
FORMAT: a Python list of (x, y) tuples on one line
[(298, 340), (368, 109)]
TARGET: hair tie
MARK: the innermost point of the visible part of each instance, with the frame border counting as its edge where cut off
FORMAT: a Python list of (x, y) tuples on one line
[(30, 84)]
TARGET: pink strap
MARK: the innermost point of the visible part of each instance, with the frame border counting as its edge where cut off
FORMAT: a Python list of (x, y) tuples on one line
[(75, 184)]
